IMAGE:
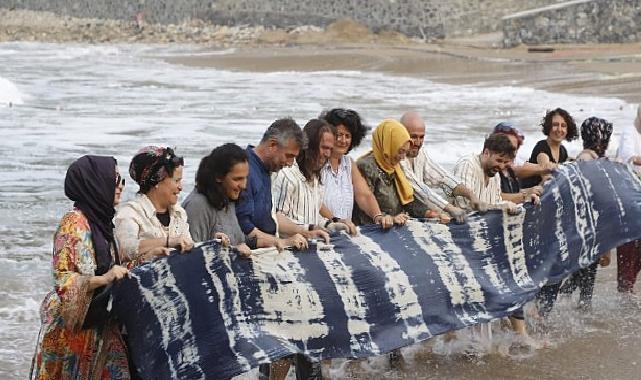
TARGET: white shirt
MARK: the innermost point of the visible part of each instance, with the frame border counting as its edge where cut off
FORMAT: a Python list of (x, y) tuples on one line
[(425, 174), (339, 188), (295, 197), (469, 170), (136, 220), (630, 146)]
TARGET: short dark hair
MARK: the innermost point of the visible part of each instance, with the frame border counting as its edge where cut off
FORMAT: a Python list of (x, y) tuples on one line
[(283, 130), (546, 123), (500, 144), (216, 165), (313, 130), (351, 120)]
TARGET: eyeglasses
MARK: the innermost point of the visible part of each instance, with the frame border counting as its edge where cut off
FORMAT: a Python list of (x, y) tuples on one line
[(120, 181)]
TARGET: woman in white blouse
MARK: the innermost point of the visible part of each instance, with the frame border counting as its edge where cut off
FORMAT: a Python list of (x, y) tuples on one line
[(343, 182), (153, 223)]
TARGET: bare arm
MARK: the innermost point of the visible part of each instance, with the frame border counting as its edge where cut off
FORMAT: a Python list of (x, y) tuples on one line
[(363, 195), (529, 169)]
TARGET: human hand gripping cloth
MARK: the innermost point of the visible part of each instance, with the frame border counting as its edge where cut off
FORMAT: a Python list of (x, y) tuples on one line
[(211, 314)]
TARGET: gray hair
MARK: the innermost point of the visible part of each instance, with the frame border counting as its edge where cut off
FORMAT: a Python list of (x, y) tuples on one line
[(283, 130)]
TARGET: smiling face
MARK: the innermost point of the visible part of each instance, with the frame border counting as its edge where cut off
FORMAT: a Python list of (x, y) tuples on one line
[(169, 188), (281, 156), (324, 149), (343, 140), (559, 129), (493, 162), (235, 181), (417, 135), (400, 154)]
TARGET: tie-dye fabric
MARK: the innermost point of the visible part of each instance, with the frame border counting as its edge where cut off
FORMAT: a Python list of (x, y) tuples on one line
[(210, 314)]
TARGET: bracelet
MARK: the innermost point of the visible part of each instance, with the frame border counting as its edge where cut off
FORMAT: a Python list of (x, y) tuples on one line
[(376, 216), (328, 222)]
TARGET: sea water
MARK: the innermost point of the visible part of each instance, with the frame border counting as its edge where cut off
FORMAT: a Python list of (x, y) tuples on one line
[(61, 101)]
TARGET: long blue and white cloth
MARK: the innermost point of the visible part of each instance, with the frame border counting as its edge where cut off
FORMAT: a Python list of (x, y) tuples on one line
[(211, 315)]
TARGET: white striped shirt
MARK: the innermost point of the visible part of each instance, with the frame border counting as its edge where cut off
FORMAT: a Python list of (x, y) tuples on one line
[(426, 175), (295, 197), (469, 170), (338, 188)]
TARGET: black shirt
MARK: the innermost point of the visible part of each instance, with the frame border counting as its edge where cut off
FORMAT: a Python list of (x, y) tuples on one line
[(164, 218), (543, 147)]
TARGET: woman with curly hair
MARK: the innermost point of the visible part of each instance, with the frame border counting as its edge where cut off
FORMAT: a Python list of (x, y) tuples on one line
[(558, 126), (344, 184)]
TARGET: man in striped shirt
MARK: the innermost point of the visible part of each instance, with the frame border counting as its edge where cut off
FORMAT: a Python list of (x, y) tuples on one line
[(480, 172), (423, 173), (298, 191)]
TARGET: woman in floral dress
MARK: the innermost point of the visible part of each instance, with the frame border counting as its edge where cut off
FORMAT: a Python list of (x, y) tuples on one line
[(76, 342)]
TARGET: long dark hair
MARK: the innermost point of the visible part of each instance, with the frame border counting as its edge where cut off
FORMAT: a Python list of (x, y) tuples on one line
[(306, 160), (217, 165), (546, 123)]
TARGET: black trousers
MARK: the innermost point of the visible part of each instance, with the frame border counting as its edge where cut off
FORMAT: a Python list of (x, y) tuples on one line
[(305, 369), (584, 280)]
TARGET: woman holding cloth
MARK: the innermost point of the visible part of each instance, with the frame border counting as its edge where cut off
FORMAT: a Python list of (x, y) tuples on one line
[(153, 223), (383, 173), (77, 338)]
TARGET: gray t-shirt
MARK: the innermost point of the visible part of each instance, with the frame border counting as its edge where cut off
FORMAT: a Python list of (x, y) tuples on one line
[(204, 220)]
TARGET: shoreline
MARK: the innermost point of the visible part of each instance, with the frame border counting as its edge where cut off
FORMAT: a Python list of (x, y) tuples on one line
[(609, 70), (601, 70)]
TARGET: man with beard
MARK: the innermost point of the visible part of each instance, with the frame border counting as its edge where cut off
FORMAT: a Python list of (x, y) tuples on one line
[(423, 173), (480, 172), (278, 148)]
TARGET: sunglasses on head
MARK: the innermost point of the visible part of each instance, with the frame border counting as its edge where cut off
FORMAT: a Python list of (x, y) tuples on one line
[(169, 157), (509, 129)]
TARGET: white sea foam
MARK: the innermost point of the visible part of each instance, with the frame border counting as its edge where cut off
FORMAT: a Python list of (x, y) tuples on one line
[(9, 93), (74, 99)]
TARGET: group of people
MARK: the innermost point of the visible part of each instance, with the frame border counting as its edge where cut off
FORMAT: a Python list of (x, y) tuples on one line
[(294, 187)]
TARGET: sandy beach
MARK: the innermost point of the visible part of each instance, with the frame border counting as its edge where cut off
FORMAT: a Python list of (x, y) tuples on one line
[(605, 70)]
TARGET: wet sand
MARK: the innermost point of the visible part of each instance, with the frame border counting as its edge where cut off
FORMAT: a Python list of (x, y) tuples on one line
[(612, 70)]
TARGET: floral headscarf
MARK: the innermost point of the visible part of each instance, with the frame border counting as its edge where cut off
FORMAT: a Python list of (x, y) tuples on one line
[(151, 165)]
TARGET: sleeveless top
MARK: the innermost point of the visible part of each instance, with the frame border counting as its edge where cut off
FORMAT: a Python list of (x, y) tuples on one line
[(339, 190)]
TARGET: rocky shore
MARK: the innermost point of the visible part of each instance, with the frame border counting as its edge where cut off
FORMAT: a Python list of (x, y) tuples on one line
[(22, 25)]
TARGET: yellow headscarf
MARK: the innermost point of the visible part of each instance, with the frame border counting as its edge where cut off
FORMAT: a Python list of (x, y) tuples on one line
[(388, 138)]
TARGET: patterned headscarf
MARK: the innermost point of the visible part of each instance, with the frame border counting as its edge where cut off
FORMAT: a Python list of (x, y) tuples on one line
[(151, 165), (388, 138), (595, 134)]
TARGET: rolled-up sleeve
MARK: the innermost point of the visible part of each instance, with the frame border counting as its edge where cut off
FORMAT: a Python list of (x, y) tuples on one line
[(127, 232)]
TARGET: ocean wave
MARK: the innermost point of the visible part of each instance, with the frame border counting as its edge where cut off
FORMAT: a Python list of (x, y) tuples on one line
[(9, 93)]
